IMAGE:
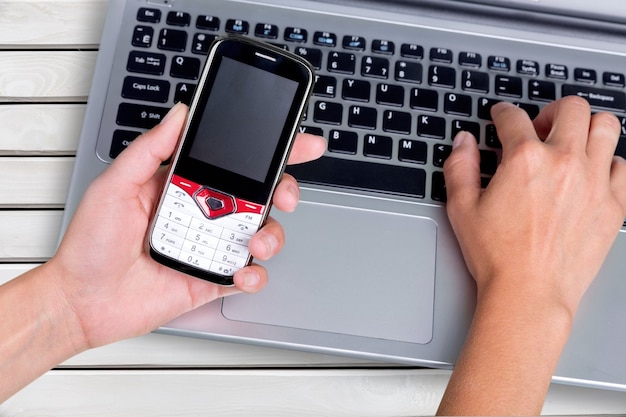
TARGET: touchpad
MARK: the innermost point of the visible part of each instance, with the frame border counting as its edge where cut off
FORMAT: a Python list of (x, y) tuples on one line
[(348, 271)]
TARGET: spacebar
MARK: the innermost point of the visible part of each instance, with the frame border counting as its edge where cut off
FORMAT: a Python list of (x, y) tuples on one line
[(368, 176)]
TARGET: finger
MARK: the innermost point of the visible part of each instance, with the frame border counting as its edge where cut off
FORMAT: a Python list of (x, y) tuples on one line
[(565, 123), (513, 126), (462, 175), (618, 181), (287, 194), (306, 148), (268, 241), (139, 162), (250, 279), (604, 134)]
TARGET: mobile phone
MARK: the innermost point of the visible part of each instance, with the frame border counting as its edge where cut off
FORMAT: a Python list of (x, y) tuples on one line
[(242, 122)]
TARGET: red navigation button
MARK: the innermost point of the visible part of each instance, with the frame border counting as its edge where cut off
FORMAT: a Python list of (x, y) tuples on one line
[(213, 203)]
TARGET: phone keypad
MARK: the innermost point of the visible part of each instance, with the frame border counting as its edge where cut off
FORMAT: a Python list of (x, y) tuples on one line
[(183, 232)]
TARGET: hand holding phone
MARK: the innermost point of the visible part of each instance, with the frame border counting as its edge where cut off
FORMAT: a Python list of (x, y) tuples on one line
[(233, 150)]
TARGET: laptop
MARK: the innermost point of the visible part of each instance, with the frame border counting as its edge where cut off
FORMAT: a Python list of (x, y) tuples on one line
[(371, 268)]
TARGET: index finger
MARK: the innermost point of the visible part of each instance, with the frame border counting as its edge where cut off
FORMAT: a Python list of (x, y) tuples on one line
[(307, 147)]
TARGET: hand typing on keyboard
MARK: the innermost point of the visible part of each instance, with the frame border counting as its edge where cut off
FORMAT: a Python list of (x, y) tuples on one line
[(533, 240), (102, 286)]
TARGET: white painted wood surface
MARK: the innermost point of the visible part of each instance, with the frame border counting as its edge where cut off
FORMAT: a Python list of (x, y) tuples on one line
[(47, 54)]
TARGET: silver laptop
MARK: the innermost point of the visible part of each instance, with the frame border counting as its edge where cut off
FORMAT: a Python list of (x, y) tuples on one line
[(371, 268)]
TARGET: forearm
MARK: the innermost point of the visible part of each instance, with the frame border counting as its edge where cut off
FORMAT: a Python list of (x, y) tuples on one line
[(509, 357), (38, 330)]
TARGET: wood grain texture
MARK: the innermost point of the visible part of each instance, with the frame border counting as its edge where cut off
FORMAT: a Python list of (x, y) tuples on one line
[(40, 129), (28, 236), (34, 182)]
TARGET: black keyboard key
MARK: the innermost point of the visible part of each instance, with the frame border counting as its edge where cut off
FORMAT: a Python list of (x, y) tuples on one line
[(431, 126), (142, 36), (296, 35), (458, 104), (341, 62), (201, 43), (410, 72), (237, 26), (184, 93), (470, 59), (465, 126), (140, 116), (377, 146), (411, 50), (531, 109), (314, 56), (149, 15), (438, 190), (499, 63), (367, 176), (527, 67), (484, 107), (391, 95), (205, 22), (423, 99), (172, 40), (556, 71), (584, 75), (313, 130), (325, 86), (383, 47), (374, 67), (475, 81), (541, 90), (355, 43), (397, 122), (439, 76), (328, 113), (508, 86), (362, 117), (266, 31), (325, 39), (178, 19), (442, 55), (146, 63), (440, 154), (488, 162), (341, 141), (136, 88), (413, 151), (185, 67), (621, 147), (604, 99), (356, 90), (614, 79), (121, 140), (491, 137)]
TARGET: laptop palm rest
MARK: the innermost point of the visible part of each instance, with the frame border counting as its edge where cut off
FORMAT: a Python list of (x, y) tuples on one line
[(346, 282)]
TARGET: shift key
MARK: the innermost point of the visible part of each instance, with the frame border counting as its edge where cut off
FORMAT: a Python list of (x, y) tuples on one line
[(599, 98)]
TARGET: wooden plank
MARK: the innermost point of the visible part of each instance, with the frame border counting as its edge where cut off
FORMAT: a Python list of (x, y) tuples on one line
[(26, 76), (38, 129), (34, 181), (28, 236), (276, 393), (51, 23)]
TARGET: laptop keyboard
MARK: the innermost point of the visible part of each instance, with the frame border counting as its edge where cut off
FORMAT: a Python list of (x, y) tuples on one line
[(388, 102)]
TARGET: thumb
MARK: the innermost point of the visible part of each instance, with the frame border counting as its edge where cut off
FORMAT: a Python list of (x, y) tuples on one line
[(144, 155), (462, 174)]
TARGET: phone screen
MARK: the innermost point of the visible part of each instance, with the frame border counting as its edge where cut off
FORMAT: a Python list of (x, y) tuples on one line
[(243, 119)]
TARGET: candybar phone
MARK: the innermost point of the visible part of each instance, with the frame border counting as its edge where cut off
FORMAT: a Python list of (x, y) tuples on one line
[(242, 122)]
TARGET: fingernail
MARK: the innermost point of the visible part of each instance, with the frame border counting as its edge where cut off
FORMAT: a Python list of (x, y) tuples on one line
[(250, 278), (172, 112), (459, 139), (270, 242)]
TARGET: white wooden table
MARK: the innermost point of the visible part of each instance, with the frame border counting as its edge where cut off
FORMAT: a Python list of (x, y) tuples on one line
[(47, 53)]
